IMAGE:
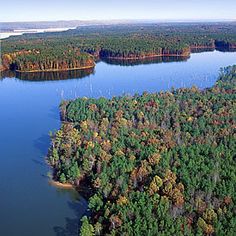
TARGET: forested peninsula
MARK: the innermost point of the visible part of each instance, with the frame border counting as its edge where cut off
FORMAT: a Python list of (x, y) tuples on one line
[(80, 48), (154, 164)]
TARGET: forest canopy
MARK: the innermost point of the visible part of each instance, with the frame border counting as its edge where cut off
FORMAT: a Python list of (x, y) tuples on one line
[(79, 48), (155, 164)]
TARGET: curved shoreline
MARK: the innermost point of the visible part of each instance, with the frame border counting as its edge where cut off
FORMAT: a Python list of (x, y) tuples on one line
[(61, 185), (146, 57), (153, 56), (186, 55)]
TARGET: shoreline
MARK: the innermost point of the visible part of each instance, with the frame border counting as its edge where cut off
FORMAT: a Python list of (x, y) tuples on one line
[(61, 185), (184, 55), (146, 57)]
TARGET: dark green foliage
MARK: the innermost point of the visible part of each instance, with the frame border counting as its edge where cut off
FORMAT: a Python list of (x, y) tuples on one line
[(71, 49), (157, 164)]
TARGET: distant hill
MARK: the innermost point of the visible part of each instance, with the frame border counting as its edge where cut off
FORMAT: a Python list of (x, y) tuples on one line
[(11, 26)]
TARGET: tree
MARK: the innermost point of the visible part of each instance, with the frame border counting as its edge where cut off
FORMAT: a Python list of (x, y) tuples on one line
[(86, 228)]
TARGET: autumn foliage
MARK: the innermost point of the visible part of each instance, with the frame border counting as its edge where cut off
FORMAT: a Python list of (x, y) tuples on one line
[(157, 164)]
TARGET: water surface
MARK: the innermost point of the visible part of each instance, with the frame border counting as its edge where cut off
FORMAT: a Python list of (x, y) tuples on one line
[(29, 206)]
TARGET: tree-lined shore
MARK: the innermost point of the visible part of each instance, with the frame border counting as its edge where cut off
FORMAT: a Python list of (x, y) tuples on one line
[(154, 164), (80, 48)]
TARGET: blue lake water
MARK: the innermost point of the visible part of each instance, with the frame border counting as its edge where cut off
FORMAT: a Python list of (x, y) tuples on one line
[(29, 205)]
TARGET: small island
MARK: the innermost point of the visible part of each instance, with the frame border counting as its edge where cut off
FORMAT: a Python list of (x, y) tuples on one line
[(162, 163), (47, 59)]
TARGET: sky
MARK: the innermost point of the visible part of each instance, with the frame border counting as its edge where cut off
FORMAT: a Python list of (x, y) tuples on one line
[(46, 10)]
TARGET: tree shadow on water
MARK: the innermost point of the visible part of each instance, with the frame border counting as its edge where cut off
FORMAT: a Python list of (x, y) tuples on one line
[(72, 226), (54, 113), (42, 144)]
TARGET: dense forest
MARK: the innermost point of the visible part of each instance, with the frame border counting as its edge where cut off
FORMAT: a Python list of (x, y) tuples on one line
[(47, 59), (154, 164), (75, 48)]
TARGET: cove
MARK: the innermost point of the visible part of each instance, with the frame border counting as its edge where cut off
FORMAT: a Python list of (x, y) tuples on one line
[(29, 110)]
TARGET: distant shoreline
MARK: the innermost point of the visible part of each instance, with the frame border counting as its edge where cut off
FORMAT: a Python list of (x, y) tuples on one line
[(17, 32), (147, 57)]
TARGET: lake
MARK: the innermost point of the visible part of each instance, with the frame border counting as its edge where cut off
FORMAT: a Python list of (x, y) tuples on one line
[(29, 205), (4, 35)]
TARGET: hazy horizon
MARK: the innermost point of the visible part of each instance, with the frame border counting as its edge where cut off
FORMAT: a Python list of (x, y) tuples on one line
[(128, 20), (169, 10)]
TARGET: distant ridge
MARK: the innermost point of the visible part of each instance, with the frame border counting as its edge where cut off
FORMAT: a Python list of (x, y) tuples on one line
[(24, 25)]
